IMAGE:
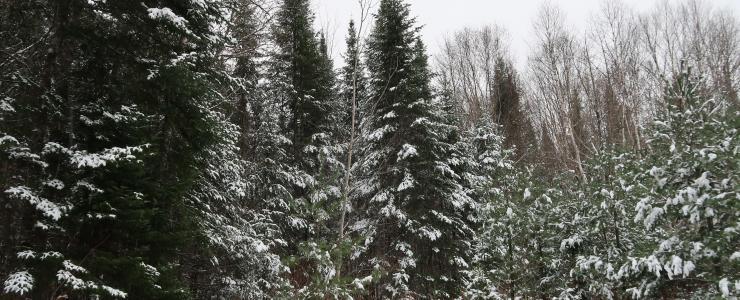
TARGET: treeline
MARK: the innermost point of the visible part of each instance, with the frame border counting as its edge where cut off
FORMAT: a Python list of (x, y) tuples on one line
[(587, 88), (210, 149)]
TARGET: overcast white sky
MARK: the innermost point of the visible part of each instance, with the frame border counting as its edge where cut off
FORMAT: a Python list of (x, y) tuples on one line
[(441, 17)]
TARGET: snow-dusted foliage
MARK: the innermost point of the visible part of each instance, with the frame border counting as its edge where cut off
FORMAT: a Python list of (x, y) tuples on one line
[(94, 179), (240, 235), (19, 283), (168, 15), (55, 202), (517, 250), (301, 152), (208, 149), (689, 212), (659, 223), (600, 233), (413, 205)]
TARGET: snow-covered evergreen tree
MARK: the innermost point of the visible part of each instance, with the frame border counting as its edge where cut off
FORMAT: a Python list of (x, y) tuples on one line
[(301, 82), (602, 233), (238, 225), (352, 81), (690, 209), (484, 148), (238, 260), (99, 183), (414, 211), (517, 252)]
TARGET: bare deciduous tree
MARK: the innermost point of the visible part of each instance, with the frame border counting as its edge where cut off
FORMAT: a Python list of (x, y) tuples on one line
[(467, 66), (602, 88), (553, 86)]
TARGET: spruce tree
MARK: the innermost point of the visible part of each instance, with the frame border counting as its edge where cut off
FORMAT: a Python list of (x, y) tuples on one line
[(100, 182), (302, 81), (243, 79), (353, 82), (508, 112), (260, 224), (415, 213), (237, 257)]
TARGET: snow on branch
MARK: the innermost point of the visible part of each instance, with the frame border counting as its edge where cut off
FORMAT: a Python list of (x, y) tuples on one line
[(46, 207), (18, 283), (168, 15), (83, 159), (406, 152)]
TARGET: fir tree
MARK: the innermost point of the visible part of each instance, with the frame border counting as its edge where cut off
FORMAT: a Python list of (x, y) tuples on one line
[(243, 80), (121, 96), (302, 80), (237, 258), (517, 252), (508, 110), (305, 74), (415, 211), (353, 84)]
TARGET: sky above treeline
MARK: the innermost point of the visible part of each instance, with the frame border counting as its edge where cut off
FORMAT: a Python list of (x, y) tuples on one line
[(443, 17)]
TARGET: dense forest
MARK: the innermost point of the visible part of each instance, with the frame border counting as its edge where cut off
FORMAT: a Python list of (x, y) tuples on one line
[(215, 149)]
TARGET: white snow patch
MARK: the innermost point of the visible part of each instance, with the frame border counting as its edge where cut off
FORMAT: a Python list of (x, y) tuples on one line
[(430, 233), (6, 139), (27, 254), (735, 256), (47, 207), (5, 105), (18, 283), (406, 152), (379, 133), (55, 184), (407, 183), (389, 115), (149, 270), (97, 160), (724, 287), (167, 14), (703, 182), (509, 212), (70, 266)]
